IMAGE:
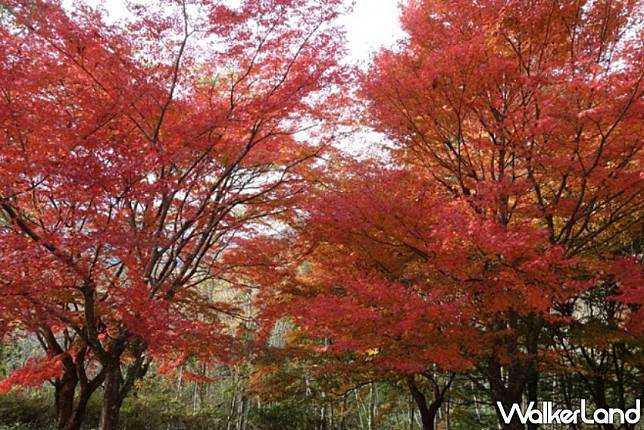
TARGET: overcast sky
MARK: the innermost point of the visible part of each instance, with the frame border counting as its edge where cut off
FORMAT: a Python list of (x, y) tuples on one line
[(373, 23)]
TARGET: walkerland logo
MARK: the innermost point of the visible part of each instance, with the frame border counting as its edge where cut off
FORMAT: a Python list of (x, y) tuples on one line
[(548, 415)]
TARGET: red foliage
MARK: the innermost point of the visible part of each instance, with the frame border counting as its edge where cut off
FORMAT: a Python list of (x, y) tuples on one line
[(516, 177), (134, 156), (35, 370)]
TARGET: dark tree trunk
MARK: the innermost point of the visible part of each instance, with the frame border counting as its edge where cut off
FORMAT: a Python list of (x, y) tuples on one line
[(429, 411), (117, 385), (533, 392), (70, 407), (514, 425), (507, 391), (65, 392), (535, 325), (112, 397), (509, 381), (76, 420)]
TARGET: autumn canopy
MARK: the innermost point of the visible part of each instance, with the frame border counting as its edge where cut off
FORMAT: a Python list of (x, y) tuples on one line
[(175, 192)]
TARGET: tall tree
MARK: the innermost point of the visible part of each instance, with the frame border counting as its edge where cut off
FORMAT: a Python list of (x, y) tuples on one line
[(133, 156), (520, 124), (531, 111)]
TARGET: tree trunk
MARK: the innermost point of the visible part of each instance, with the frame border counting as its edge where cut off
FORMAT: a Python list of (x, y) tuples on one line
[(116, 387), (514, 425), (533, 392), (112, 398), (427, 412), (79, 411), (69, 406), (535, 325), (65, 390), (507, 390), (509, 381)]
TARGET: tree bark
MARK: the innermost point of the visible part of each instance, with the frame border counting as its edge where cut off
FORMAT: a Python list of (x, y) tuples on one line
[(76, 420), (427, 414), (509, 381), (116, 387), (533, 392), (508, 394), (535, 325), (429, 411), (112, 398), (71, 407), (515, 424), (65, 391)]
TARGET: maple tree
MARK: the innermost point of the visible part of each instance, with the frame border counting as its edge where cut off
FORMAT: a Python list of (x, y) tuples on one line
[(133, 156), (521, 124), (530, 112), (151, 168), (398, 279), (378, 317)]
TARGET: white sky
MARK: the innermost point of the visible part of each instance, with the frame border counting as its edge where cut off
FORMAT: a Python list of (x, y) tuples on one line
[(371, 25)]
